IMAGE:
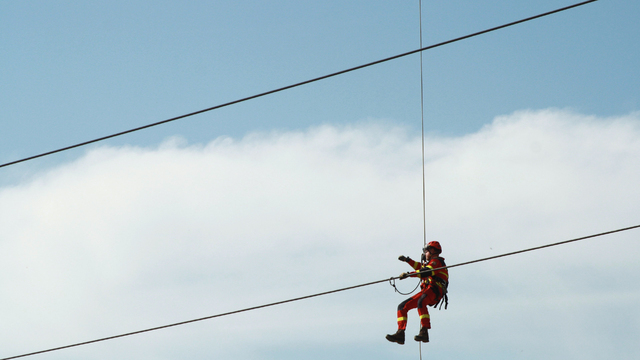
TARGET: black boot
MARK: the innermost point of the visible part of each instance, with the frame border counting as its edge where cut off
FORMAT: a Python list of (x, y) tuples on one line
[(423, 335), (398, 337)]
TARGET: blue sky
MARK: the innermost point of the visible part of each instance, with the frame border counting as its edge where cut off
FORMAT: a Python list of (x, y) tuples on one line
[(75, 70), (532, 137)]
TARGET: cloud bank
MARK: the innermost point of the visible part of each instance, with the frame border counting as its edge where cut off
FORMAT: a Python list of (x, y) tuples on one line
[(128, 238)]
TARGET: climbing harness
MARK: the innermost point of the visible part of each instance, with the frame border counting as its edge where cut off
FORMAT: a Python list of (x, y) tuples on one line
[(442, 293), (441, 288)]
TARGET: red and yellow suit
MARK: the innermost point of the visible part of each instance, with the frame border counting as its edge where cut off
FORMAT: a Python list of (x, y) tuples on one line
[(432, 289)]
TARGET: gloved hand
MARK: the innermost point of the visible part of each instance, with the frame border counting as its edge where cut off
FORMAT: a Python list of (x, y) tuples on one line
[(403, 258), (404, 276)]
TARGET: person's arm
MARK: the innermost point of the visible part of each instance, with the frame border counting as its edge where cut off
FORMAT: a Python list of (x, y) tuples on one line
[(414, 264)]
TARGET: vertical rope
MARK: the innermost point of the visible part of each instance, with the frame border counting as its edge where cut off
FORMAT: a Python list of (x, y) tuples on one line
[(424, 192)]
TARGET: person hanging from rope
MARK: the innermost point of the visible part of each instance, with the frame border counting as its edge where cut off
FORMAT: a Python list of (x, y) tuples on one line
[(433, 289)]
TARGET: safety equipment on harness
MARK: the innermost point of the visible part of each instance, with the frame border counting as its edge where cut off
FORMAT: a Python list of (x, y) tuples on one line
[(442, 290)]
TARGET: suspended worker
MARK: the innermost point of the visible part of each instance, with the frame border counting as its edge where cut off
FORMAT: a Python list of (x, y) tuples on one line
[(433, 289)]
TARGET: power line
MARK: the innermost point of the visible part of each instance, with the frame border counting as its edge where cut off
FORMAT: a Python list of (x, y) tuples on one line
[(295, 85), (196, 320), (313, 295), (540, 247)]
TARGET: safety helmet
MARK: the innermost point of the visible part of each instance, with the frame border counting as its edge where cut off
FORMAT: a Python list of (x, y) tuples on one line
[(435, 245)]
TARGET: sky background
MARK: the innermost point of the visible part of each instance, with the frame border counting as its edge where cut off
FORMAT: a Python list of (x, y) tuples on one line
[(532, 137)]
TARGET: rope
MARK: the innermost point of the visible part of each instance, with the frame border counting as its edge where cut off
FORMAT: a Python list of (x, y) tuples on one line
[(310, 296), (424, 191), (296, 84), (424, 196), (392, 282)]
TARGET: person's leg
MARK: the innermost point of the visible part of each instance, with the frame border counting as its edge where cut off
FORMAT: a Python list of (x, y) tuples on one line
[(428, 297), (403, 310)]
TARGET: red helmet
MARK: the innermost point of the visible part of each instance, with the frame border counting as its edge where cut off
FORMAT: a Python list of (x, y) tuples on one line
[(435, 245)]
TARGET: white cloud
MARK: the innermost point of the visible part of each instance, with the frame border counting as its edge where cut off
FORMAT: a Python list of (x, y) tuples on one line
[(128, 238)]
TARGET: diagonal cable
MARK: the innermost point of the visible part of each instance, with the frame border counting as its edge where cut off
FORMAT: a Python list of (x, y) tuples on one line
[(295, 85), (313, 295)]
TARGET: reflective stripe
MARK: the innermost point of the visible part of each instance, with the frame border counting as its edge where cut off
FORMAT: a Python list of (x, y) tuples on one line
[(402, 319), (425, 316)]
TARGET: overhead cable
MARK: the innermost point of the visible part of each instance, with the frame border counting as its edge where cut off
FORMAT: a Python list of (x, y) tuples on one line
[(311, 296), (295, 85), (539, 247)]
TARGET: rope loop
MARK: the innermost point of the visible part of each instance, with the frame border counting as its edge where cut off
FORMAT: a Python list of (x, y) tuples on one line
[(392, 282)]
